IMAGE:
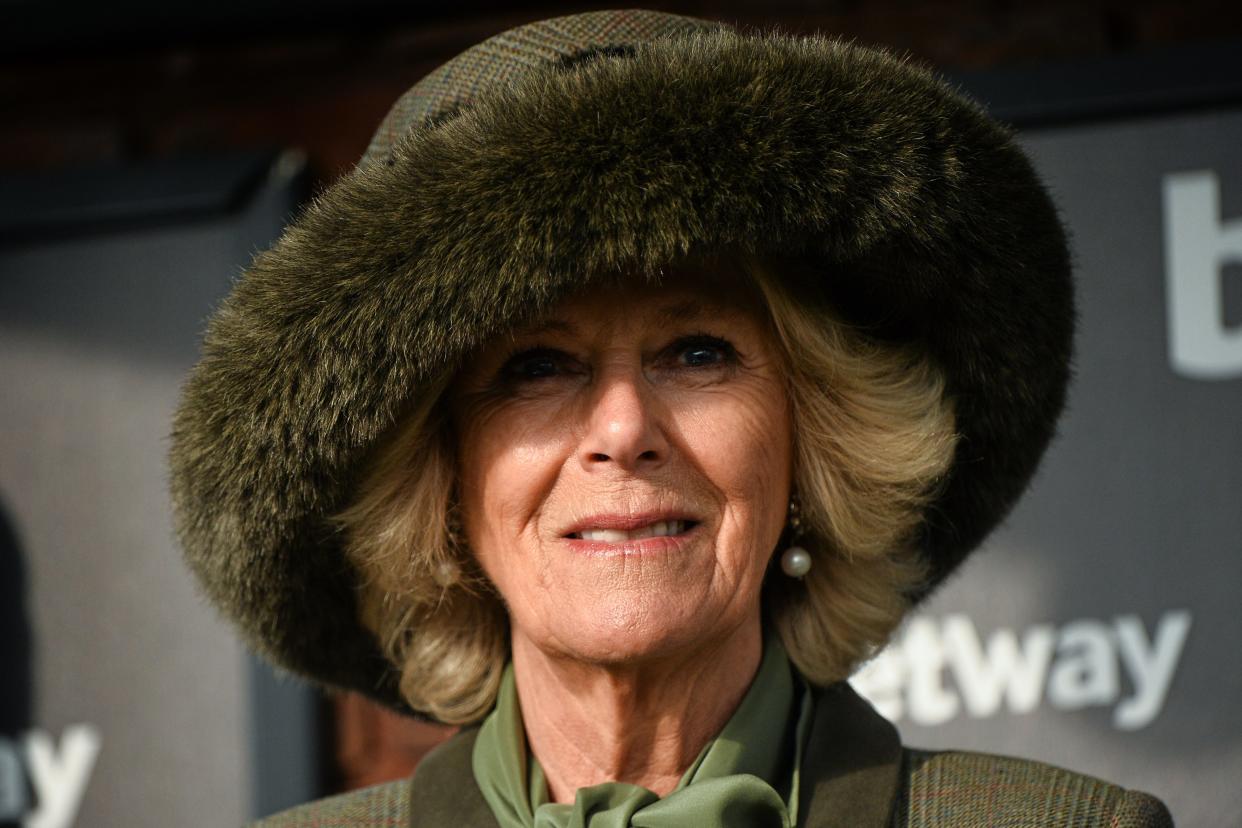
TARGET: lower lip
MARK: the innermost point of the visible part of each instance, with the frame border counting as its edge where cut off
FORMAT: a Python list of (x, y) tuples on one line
[(665, 544)]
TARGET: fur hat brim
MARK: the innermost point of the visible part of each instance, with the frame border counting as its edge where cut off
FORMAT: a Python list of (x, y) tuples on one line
[(908, 207)]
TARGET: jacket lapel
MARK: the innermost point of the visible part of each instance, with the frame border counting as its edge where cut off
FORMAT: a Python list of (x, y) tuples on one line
[(443, 790), (851, 766)]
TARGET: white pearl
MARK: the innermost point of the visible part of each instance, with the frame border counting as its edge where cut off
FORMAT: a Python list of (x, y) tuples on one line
[(796, 562)]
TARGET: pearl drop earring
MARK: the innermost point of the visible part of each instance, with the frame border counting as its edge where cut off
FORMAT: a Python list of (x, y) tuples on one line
[(795, 561)]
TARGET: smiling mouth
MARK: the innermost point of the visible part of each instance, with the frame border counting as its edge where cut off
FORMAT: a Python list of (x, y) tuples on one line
[(659, 529)]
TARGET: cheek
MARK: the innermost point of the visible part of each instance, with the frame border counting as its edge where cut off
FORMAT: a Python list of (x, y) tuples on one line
[(743, 445), (506, 464)]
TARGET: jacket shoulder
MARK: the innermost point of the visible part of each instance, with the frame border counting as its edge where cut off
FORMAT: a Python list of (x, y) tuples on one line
[(380, 805), (963, 788), (443, 787)]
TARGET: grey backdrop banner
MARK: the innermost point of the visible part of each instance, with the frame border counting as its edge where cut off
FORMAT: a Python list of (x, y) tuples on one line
[(1099, 628), (128, 699)]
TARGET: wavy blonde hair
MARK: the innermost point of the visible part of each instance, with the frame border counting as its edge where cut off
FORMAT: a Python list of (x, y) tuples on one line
[(874, 436)]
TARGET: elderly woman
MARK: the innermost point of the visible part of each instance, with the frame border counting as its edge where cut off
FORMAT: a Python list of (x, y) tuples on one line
[(621, 402)]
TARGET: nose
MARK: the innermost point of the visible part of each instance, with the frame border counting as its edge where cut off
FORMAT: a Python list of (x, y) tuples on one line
[(623, 426)]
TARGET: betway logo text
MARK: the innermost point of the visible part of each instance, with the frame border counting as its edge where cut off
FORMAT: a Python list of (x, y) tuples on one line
[(938, 669), (58, 775), (1199, 243)]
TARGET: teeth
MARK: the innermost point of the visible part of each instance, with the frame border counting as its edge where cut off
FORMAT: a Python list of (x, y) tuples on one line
[(656, 530), (605, 535)]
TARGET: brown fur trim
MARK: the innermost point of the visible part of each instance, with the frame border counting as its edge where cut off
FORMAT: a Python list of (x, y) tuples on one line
[(890, 194)]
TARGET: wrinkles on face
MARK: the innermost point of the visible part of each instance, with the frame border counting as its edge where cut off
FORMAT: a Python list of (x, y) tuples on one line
[(626, 404)]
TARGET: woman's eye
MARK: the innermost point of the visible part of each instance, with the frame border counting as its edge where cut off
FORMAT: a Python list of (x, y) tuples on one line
[(537, 364), (703, 351)]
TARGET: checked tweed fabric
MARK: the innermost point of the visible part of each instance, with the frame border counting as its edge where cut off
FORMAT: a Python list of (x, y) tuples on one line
[(948, 789), (379, 806), (507, 56), (969, 790)]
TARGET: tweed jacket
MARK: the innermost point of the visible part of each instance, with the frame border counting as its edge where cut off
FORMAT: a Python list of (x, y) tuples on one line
[(855, 773)]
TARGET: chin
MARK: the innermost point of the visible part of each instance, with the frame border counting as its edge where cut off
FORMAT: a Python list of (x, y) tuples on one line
[(612, 633)]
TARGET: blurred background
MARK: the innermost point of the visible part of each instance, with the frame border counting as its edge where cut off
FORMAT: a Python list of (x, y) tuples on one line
[(147, 151)]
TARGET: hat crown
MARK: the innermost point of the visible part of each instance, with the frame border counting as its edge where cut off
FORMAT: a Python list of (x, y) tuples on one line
[(511, 55)]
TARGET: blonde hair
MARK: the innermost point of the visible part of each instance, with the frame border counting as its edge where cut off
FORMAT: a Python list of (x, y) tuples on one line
[(874, 436)]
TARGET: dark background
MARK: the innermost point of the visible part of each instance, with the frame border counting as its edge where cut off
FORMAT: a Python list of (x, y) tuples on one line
[(85, 84)]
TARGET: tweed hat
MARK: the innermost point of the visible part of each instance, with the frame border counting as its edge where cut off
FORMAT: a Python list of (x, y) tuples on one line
[(563, 151)]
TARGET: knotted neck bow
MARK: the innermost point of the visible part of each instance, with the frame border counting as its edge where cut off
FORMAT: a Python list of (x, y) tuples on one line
[(746, 777)]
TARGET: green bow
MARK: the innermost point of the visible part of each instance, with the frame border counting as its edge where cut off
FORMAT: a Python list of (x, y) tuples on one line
[(746, 776)]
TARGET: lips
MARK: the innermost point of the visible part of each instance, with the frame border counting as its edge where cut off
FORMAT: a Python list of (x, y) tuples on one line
[(630, 527), (660, 529)]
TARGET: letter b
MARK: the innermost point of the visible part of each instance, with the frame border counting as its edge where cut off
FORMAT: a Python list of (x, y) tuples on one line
[(1198, 243)]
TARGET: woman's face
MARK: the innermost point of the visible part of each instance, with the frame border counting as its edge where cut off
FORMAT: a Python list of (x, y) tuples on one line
[(624, 469)]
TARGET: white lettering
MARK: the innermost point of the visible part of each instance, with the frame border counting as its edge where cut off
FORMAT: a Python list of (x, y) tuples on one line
[(1016, 673), (1198, 243), (1075, 667), (930, 703), (1150, 667), (60, 780), (1085, 672)]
